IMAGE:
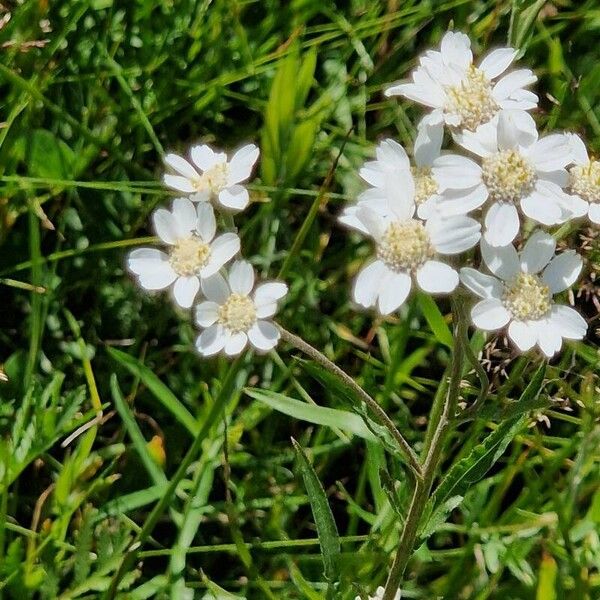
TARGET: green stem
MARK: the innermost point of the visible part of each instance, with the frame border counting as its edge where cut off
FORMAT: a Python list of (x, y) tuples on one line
[(439, 426), (381, 415)]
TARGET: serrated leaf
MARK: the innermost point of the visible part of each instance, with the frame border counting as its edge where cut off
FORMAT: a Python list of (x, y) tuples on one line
[(439, 516), (318, 415), (326, 527)]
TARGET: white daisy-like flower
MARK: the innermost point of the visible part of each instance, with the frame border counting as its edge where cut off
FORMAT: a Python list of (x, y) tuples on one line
[(379, 594), (462, 95), (407, 248), (212, 177), (584, 178), (234, 314), (193, 251), (516, 171), (520, 294)]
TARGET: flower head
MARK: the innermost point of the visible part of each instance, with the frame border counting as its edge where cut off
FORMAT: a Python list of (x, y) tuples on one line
[(379, 594), (517, 172), (584, 178), (462, 95), (407, 249), (193, 252), (211, 177), (234, 314), (520, 294)]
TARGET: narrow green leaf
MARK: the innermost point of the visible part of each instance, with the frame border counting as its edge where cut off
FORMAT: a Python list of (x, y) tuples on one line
[(435, 319), (546, 589), (135, 434), (476, 464), (326, 529), (318, 415), (161, 392)]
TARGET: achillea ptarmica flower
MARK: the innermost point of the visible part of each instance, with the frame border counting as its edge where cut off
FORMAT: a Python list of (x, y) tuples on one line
[(193, 251), (520, 294), (584, 178), (462, 95), (211, 177), (516, 171), (379, 594), (233, 314), (408, 248)]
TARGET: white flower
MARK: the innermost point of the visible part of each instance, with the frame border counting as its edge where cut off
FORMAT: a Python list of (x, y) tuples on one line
[(462, 95), (233, 316), (379, 594), (212, 177), (516, 170), (520, 295), (584, 178), (407, 248), (193, 251)]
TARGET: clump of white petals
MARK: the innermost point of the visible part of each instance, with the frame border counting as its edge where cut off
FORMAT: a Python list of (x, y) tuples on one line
[(584, 178), (520, 293), (462, 95), (236, 312), (193, 251), (517, 173), (211, 177), (407, 248), (379, 594)]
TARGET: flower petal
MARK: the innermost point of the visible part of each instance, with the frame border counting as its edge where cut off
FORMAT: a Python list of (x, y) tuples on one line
[(497, 61), (430, 134), (489, 314), (211, 340), (551, 152), (215, 288), (456, 172), (537, 252), (207, 313), (160, 278), (437, 277), (241, 277), (502, 261), (144, 261), (562, 271), (523, 335), (367, 284), (579, 152), (512, 82), (453, 235), (264, 335), (185, 290), (165, 226), (205, 158), (266, 296), (485, 286), (181, 184), (393, 291), (241, 164), (541, 206), (235, 343), (549, 339), (594, 213), (456, 50), (184, 216), (568, 322), (181, 166), (235, 197), (222, 250), (206, 224), (501, 224)]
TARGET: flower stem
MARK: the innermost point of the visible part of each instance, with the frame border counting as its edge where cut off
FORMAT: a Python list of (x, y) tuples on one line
[(379, 413), (442, 414)]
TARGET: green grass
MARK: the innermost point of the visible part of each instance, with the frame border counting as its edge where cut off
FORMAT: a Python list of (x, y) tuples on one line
[(108, 409)]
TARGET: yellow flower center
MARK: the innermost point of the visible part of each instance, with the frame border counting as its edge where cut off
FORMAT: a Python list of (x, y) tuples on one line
[(405, 246), (472, 100), (527, 297), (425, 184), (237, 314), (508, 176), (213, 180), (189, 255), (584, 180)]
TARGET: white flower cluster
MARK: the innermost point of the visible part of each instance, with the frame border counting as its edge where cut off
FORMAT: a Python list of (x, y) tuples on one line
[(234, 311), (379, 594), (447, 203)]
